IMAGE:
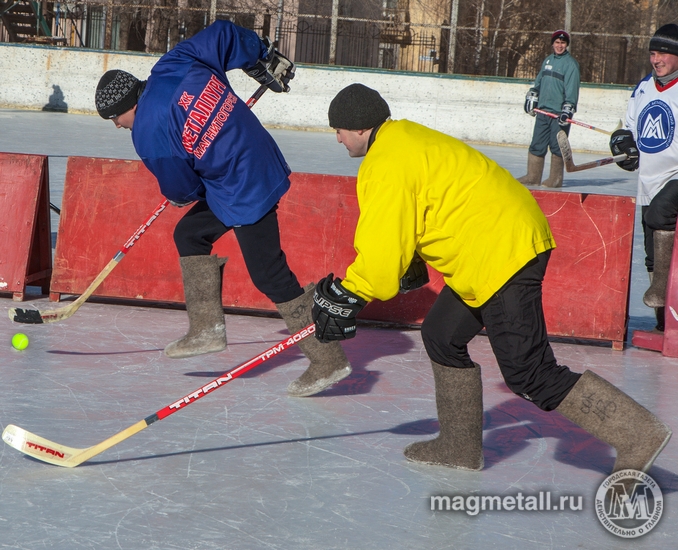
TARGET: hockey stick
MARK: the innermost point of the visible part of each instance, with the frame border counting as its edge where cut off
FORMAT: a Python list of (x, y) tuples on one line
[(69, 457), (572, 121), (570, 166), (35, 317)]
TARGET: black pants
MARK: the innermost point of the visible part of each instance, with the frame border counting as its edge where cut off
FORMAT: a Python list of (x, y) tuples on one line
[(660, 214), (259, 243), (545, 134), (514, 320)]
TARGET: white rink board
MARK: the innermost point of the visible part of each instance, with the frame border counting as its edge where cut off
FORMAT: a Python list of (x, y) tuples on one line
[(483, 110)]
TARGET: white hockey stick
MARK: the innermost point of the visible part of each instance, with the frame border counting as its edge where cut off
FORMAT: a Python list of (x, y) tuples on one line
[(69, 457), (570, 166)]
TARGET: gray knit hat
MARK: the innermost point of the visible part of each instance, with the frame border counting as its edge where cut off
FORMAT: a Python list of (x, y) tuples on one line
[(117, 92), (357, 107), (665, 39)]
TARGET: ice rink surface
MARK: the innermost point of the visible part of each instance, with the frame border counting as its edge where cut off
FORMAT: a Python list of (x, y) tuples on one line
[(251, 468)]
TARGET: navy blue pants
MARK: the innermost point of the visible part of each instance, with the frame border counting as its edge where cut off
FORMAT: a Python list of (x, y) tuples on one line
[(545, 134), (514, 321), (259, 243)]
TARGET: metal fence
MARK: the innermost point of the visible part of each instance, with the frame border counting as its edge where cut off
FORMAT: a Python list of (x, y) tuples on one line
[(320, 39)]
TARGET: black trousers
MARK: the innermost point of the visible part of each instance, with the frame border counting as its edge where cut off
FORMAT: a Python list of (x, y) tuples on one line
[(660, 214), (514, 321), (259, 243)]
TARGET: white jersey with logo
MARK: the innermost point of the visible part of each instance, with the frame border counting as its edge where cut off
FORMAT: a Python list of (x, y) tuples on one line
[(651, 116)]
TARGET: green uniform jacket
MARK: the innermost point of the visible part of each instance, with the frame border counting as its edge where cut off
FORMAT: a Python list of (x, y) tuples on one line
[(466, 216), (558, 82)]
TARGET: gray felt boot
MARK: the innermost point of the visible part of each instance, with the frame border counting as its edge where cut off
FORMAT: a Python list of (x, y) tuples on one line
[(459, 398), (613, 417), (555, 178), (329, 363), (535, 168), (202, 290), (655, 296)]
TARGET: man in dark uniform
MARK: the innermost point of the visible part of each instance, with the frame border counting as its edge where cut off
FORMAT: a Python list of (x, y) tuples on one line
[(203, 143)]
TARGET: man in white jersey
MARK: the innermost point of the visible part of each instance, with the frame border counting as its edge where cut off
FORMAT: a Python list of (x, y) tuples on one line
[(649, 141)]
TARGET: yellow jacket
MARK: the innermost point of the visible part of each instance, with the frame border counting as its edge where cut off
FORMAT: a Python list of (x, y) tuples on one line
[(466, 216)]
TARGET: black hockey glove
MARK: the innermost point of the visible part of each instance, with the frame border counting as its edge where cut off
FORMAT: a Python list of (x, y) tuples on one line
[(334, 310), (180, 204), (622, 142), (273, 71), (531, 102), (416, 275), (566, 114)]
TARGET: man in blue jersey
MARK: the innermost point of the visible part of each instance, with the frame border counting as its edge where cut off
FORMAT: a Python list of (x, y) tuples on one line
[(203, 143)]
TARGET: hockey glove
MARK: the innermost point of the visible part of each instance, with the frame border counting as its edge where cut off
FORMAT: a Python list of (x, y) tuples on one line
[(622, 142), (531, 102), (273, 71), (566, 114), (180, 204), (416, 275), (334, 310)]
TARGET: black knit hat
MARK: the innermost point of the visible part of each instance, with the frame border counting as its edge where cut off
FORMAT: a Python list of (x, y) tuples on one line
[(117, 92), (357, 107), (665, 39), (562, 34)]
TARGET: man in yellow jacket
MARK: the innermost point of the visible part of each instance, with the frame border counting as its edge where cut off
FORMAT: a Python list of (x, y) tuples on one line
[(425, 195)]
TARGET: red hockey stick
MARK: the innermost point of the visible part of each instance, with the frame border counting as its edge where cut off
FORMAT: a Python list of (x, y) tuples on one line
[(35, 317), (69, 457), (572, 121)]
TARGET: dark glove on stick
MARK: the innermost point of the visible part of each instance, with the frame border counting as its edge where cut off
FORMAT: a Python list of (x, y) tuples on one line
[(334, 310), (622, 142), (416, 275), (273, 71), (566, 114)]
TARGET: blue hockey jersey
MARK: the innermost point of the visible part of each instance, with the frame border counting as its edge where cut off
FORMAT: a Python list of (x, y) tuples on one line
[(199, 139)]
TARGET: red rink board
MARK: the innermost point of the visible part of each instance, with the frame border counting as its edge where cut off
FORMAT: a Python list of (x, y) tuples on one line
[(585, 291), (25, 246)]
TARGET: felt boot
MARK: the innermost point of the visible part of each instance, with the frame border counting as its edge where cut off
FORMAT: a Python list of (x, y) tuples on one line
[(613, 417), (459, 399), (655, 296), (535, 168), (555, 178), (329, 363), (202, 290)]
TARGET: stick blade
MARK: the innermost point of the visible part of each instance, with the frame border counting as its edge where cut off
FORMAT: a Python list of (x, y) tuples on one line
[(40, 448), (566, 151), (27, 316)]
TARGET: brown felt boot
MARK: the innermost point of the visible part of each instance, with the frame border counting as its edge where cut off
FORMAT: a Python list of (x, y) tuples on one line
[(202, 290), (555, 178), (655, 296), (329, 363), (613, 417), (459, 398), (535, 168)]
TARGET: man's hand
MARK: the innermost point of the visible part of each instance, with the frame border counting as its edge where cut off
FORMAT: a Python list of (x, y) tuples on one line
[(273, 71), (531, 102), (334, 310), (622, 142), (566, 114), (416, 275)]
